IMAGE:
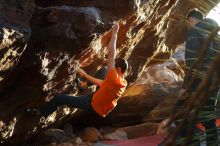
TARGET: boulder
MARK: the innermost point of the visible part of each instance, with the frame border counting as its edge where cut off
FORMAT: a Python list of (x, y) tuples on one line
[(91, 134), (51, 136)]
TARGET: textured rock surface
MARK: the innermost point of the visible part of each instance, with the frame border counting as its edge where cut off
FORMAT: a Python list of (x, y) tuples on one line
[(42, 43), (91, 134), (15, 32), (52, 136)]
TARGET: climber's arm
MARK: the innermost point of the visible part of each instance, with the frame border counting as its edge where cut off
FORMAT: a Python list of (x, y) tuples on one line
[(92, 79), (112, 47)]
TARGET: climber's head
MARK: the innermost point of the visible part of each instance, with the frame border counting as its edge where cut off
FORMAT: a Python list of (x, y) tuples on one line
[(121, 65)]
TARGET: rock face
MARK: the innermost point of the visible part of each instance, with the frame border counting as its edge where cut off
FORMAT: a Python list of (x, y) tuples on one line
[(43, 42)]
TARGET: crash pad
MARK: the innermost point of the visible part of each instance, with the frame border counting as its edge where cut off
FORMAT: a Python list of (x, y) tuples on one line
[(142, 141)]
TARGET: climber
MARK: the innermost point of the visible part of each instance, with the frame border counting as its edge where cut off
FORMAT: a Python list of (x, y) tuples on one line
[(104, 99)]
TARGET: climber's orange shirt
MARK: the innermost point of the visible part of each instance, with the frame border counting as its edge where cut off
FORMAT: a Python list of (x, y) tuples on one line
[(106, 97)]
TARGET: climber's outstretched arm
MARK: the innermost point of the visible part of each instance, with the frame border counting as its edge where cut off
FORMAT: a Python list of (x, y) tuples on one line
[(112, 47)]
